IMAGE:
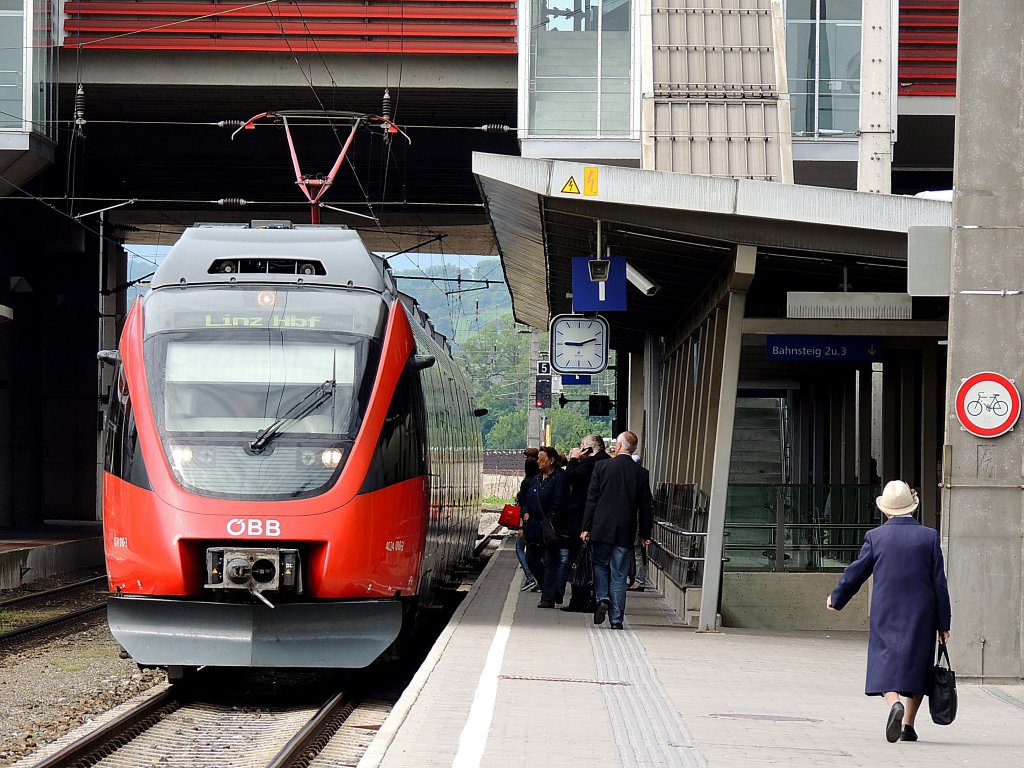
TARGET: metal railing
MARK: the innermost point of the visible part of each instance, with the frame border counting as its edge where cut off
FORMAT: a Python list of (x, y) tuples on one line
[(680, 532), (791, 527)]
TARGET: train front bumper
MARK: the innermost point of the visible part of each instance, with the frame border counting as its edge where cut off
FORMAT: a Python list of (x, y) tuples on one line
[(164, 632)]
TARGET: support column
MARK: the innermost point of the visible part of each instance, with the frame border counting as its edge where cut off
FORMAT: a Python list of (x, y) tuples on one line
[(909, 404), (890, 466), (929, 435), (875, 136), (729, 375), (719, 487), (982, 505), (637, 418), (653, 385)]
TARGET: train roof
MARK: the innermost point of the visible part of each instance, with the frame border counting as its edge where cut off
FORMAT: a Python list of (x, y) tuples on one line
[(275, 252)]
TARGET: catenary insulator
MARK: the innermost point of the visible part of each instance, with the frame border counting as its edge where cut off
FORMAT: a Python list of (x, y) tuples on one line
[(232, 202), (385, 110), (79, 108), (496, 128), (231, 123)]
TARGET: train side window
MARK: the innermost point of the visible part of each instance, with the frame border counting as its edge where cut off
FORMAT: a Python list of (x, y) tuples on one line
[(401, 447)]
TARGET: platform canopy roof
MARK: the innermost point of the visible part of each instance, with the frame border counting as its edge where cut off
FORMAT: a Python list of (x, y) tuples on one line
[(681, 232)]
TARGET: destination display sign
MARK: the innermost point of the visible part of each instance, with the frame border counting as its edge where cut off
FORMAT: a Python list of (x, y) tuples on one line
[(823, 349)]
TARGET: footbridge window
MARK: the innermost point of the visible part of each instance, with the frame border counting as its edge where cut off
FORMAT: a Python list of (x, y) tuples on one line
[(580, 68), (27, 62), (823, 65)]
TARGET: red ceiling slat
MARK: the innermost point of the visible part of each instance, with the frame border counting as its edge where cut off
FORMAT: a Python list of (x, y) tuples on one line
[(270, 28), (412, 26), (323, 46), (927, 47)]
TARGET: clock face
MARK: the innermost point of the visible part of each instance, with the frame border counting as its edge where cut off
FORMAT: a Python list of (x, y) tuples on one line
[(579, 344)]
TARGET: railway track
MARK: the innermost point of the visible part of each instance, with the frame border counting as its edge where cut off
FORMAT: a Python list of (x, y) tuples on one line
[(42, 614), (183, 725)]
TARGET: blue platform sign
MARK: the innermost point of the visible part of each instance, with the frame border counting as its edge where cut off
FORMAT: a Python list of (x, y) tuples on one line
[(575, 378), (823, 349), (589, 296)]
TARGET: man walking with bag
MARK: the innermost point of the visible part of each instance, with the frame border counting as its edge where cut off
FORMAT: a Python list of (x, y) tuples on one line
[(619, 499)]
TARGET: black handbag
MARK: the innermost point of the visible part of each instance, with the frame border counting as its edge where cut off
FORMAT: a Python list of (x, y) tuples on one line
[(942, 700), (582, 574)]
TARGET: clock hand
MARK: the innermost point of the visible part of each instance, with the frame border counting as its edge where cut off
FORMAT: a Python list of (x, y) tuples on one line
[(580, 343)]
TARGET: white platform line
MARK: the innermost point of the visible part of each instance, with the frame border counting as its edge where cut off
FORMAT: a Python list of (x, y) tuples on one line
[(473, 739), (385, 737)]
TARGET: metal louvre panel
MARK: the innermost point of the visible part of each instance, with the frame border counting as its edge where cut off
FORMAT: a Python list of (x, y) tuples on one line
[(714, 108), (713, 52), (718, 138)]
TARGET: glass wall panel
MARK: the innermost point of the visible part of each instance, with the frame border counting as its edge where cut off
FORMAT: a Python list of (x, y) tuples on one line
[(43, 70), (580, 67), (823, 64), (840, 10), (12, 67)]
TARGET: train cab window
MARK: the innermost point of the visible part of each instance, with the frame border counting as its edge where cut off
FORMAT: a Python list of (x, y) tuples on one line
[(122, 453), (258, 393)]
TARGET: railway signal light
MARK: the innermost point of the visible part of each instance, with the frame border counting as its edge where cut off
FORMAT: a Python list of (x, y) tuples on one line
[(543, 391)]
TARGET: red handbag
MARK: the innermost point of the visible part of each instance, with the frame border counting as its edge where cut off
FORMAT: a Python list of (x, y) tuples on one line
[(509, 516)]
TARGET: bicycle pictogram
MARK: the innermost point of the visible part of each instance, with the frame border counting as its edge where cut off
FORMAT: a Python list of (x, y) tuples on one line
[(988, 403)]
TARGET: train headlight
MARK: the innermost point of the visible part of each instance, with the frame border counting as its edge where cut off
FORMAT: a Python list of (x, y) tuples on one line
[(266, 298), (181, 455), (331, 457)]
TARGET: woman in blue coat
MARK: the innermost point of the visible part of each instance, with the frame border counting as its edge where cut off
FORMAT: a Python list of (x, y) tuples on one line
[(909, 607)]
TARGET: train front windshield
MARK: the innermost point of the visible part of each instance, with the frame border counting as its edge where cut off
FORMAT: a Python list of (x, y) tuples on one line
[(258, 392)]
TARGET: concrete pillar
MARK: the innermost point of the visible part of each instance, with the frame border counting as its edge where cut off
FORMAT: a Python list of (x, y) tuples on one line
[(874, 162), (982, 504)]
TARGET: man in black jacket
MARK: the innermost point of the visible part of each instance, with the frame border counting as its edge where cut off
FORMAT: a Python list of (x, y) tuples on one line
[(618, 500), (581, 465)]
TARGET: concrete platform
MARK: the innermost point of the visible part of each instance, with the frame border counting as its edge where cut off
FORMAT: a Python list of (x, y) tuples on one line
[(27, 554), (508, 684)]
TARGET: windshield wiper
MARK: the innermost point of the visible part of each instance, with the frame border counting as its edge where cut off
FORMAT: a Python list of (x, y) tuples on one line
[(309, 403)]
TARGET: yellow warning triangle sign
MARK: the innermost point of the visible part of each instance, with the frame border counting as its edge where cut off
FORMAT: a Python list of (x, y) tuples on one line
[(570, 187)]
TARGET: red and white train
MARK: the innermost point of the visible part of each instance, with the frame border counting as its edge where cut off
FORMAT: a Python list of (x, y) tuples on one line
[(292, 457)]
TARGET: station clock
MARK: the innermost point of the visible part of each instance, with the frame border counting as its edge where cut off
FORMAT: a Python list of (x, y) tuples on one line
[(579, 344)]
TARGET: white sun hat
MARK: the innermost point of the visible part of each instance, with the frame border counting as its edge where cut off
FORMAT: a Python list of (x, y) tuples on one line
[(897, 499)]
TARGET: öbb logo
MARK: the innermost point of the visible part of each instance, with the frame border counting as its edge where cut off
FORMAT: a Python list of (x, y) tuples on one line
[(238, 526)]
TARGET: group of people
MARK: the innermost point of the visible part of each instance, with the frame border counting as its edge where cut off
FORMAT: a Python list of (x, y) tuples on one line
[(590, 500)]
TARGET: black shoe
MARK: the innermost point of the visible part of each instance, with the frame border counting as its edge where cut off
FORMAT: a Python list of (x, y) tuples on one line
[(601, 611), (616, 625), (545, 604), (894, 725), (909, 734)]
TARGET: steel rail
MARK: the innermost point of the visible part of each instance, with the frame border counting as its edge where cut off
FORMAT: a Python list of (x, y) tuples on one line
[(58, 620), (314, 735), (50, 592), (118, 731)]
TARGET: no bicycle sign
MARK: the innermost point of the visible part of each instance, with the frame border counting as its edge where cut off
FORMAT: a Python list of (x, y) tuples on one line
[(987, 404)]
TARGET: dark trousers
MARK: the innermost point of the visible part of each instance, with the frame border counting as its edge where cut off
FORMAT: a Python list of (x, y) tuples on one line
[(535, 559), (556, 572)]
